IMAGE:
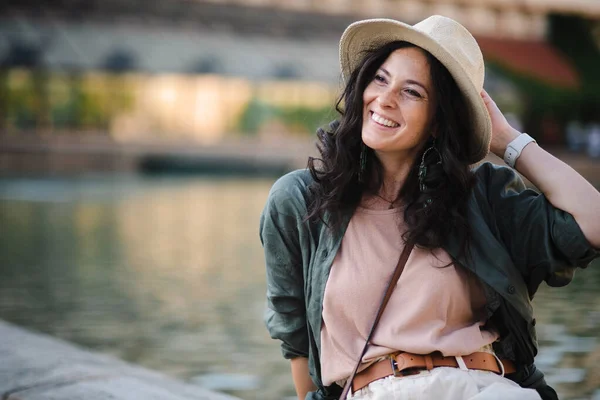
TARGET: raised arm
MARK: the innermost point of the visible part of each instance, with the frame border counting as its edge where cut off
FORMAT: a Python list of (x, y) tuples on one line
[(562, 185)]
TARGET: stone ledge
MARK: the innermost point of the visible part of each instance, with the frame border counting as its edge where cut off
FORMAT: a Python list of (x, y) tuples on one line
[(39, 367)]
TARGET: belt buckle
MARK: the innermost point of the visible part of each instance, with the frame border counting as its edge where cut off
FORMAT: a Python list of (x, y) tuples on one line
[(395, 370)]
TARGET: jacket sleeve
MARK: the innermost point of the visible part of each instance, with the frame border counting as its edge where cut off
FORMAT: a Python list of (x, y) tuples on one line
[(280, 224), (545, 242)]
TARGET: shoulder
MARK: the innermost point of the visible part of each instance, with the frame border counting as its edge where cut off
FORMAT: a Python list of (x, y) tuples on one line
[(293, 183), (290, 194)]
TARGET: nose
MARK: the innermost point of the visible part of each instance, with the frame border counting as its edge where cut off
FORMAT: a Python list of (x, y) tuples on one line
[(386, 99)]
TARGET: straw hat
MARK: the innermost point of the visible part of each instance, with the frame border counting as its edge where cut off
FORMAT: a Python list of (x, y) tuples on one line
[(446, 40)]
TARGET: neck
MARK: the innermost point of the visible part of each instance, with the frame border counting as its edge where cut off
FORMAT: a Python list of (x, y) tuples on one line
[(395, 172)]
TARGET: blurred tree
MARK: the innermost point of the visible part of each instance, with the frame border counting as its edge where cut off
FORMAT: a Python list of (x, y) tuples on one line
[(306, 120), (89, 102), (20, 110), (298, 119), (28, 56), (84, 110), (255, 115), (4, 99), (62, 98), (92, 102), (574, 36), (547, 108), (41, 78)]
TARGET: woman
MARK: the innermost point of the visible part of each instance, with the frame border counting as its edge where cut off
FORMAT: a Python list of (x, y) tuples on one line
[(396, 168)]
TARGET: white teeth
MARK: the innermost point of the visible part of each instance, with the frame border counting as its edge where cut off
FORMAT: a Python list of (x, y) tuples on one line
[(379, 119)]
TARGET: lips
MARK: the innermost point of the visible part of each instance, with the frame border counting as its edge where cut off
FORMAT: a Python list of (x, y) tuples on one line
[(383, 121)]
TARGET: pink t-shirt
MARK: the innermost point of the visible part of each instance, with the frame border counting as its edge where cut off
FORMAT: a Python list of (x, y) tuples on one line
[(432, 308)]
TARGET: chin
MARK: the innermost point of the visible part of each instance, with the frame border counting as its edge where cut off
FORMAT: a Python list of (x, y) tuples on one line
[(379, 140), (375, 145)]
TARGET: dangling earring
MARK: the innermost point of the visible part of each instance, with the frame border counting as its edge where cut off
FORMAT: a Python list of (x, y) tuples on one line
[(423, 167), (363, 163)]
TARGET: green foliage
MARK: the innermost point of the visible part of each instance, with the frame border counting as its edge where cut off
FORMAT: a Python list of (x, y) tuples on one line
[(572, 35), (541, 98), (91, 106), (80, 108), (34, 99), (303, 120), (19, 101), (255, 115)]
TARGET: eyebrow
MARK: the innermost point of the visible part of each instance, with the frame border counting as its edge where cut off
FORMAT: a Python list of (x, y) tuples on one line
[(410, 81)]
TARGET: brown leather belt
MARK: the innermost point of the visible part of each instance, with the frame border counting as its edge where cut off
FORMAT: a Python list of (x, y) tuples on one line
[(402, 364)]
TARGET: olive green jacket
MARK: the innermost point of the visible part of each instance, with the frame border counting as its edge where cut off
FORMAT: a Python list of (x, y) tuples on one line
[(518, 240)]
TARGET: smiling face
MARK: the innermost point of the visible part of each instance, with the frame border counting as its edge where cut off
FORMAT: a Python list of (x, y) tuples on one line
[(399, 105)]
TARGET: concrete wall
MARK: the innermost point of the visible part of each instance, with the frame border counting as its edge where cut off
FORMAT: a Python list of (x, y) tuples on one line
[(38, 367)]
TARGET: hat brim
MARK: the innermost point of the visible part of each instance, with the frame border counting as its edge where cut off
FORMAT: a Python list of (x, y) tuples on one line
[(366, 35)]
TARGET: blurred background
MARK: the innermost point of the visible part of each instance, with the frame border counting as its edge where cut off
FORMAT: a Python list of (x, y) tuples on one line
[(139, 139)]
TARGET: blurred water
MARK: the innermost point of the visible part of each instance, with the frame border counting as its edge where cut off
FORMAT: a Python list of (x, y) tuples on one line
[(169, 273)]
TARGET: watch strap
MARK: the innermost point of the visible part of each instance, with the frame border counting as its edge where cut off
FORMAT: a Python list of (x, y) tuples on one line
[(514, 148)]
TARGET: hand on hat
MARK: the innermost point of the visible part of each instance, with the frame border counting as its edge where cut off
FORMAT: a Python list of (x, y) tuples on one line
[(502, 132)]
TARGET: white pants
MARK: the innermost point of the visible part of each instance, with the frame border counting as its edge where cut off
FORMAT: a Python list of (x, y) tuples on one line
[(445, 383)]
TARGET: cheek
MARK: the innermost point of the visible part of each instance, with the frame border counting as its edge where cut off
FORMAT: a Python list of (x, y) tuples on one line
[(369, 95), (420, 115)]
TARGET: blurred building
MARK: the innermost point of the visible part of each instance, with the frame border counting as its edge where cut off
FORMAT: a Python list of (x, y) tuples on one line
[(200, 69), (525, 19)]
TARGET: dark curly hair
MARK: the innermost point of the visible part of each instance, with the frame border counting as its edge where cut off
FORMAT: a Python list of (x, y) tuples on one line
[(430, 215)]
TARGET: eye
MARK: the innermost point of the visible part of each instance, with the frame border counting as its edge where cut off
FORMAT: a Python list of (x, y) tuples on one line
[(379, 78), (413, 93)]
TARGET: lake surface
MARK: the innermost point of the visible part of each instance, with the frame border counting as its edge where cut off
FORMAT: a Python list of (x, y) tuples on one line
[(169, 273)]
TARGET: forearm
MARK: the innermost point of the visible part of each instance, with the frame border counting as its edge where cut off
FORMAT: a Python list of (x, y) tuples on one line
[(564, 188), (301, 377)]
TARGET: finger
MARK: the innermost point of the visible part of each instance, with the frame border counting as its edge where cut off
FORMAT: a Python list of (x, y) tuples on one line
[(486, 97)]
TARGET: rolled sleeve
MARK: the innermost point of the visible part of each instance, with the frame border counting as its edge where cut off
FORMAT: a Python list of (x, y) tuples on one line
[(285, 316), (545, 242)]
